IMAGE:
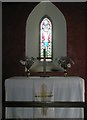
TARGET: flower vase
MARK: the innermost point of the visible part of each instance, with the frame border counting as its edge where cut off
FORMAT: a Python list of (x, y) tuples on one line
[(28, 72), (65, 72)]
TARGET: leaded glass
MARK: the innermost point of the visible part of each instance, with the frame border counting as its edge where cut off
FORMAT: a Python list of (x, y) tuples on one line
[(46, 38)]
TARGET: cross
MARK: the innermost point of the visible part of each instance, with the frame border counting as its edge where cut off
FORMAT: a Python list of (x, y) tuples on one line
[(44, 62), (44, 95)]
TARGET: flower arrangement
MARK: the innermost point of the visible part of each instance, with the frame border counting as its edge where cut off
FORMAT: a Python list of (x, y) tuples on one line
[(65, 62), (28, 62)]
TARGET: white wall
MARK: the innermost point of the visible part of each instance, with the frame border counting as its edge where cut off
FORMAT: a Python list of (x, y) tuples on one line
[(0, 59), (59, 30)]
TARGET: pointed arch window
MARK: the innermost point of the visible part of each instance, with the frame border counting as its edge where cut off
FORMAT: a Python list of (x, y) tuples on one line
[(46, 39)]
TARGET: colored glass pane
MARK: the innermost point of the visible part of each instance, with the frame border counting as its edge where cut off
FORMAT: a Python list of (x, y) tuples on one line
[(46, 39)]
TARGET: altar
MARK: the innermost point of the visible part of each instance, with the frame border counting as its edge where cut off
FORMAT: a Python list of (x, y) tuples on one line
[(44, 89)]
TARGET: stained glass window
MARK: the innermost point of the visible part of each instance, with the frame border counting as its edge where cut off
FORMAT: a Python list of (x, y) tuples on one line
[(46, 39)]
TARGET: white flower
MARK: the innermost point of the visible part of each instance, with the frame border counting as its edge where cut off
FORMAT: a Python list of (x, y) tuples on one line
[(68, 65), (22, 62)]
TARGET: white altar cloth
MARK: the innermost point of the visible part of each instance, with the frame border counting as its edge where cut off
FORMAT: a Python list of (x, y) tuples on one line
[(61, 89)]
